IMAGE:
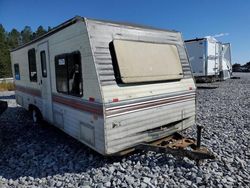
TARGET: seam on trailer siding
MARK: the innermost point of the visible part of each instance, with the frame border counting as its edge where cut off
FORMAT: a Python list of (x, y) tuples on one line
[(94, 59), (99, 81), (30, 91)]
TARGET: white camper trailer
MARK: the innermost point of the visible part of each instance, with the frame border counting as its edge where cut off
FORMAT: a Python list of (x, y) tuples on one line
[(210, 60), (109, 85), (204, 58)]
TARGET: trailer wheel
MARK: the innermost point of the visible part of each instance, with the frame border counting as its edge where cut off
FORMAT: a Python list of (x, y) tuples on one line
[(36, 115)]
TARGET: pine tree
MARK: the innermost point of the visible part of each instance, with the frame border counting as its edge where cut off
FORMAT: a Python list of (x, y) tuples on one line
[(40, 31), (5, 65), (26, 34), (14, 38)]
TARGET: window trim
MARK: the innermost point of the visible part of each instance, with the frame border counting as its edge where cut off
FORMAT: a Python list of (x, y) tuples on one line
[(43, 65), (65, 56), (29, 61)]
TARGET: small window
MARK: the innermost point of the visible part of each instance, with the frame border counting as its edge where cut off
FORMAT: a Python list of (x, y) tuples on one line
[(43, 63), (69, 74), (17, 72), (32, 65)]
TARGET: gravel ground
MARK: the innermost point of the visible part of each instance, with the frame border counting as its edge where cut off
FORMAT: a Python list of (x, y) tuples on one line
[(46, 157)]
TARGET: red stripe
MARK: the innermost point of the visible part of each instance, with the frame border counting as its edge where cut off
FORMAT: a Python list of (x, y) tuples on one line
[(78, 104), (30, 91)]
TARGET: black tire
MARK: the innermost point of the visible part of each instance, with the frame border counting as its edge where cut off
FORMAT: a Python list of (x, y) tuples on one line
[(36, 116)]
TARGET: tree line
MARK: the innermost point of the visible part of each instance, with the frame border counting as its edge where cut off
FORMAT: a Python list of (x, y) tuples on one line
[(13, 39), (241, 68)]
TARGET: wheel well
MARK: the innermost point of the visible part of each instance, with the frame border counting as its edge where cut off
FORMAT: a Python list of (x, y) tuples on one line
[(33, 107)]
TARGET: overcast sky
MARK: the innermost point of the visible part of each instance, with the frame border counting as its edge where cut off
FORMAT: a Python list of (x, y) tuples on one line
[(228, 19)]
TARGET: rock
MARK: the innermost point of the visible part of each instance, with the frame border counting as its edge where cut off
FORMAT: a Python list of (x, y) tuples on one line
[(198, 180), (188, 182), (107, 184), (143, 185), (130, 180), (111, 169), (230, 179), (146, 180), (86, 186), (58, 183)]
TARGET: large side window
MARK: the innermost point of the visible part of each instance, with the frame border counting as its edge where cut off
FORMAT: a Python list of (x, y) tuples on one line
[(17, 72), (43, 63), (69, 74), (139, 62), (32, 65)]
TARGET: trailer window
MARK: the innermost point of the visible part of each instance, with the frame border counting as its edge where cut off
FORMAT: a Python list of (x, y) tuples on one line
[(17, 72), (32, 65), (43, 63), (69, 74), (146, 62)]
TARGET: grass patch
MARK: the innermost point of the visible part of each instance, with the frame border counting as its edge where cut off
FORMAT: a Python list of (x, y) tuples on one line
[(7, 86)]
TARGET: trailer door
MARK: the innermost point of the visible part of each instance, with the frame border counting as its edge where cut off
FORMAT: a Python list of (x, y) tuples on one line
[(197, 56), (227, 55), (44, 81), (212, 58)]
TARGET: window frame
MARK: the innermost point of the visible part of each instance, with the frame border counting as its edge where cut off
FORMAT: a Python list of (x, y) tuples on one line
[(16, 65), (33, 51), (65, 56), (43, 63)]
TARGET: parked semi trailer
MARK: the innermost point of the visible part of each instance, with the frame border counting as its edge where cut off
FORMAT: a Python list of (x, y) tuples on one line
[(210, 59)]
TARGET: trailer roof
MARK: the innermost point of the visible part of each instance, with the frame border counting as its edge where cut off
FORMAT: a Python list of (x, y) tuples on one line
[(79, 18), (196, 39)]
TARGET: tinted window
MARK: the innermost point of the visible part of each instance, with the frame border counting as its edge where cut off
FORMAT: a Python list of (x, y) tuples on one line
[(17, 72), (69, 74), (32, 65), (43, 63)]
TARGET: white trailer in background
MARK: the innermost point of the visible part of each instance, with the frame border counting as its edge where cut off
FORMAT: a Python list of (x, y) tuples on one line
[(210, 60), (110, 85)]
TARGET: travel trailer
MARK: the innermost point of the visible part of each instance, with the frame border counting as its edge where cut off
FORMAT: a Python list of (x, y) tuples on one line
[(210, 60), (110, 85)]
